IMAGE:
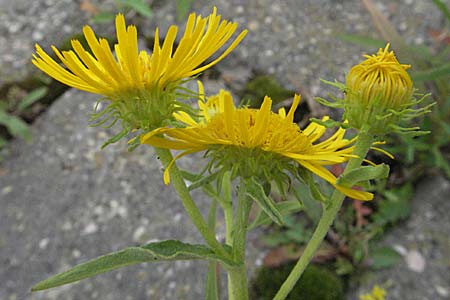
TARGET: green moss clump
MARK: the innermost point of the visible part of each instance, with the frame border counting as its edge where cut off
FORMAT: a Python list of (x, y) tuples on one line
[(262, 85), (316, 283)]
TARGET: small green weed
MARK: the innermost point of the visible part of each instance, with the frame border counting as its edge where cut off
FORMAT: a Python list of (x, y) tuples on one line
[(10, 111)]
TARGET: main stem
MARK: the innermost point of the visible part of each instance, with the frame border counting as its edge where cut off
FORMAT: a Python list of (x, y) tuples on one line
[(362, 146), (194, 213), (228, 213), (237, 275)]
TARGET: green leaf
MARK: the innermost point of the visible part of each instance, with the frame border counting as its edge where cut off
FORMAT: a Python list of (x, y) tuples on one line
[(358, 253), (226, 188), (362, 40), (275, 239), (432, 74), (153, 252), (256, 192), (103, 17), (443, 8), (299, 235), (183, 7), (343, 266), (32, 97), (2, 144), (312, 207), (285, 208), (139, 6), (362, 174), (423, 52), (189, 175), (116, 138), (328, 123), (395, 206), (15, 125), (384, 257), (335, 83), (316, 193)]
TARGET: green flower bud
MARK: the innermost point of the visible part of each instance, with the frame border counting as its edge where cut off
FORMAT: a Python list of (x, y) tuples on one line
[(376, 89)]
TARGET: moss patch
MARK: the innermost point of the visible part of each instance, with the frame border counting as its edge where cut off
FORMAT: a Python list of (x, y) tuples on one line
[(316, 283), (262, 85)]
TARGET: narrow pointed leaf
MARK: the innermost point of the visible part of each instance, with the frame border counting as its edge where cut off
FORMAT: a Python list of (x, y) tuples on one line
[(153, 252), (362, 40), (116, 138), (432, 74), (256, 192), (16, 126), (443, 8), (285, 208), (226, 187), (139, 6), (362, 174), (32, 97)]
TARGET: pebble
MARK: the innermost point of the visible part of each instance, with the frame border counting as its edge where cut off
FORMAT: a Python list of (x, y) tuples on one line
[(172, 285), (90, 228), (442, 291), (400, 249), (43, 243), (67, 226), (253, 25), (415, 261), (177, 217), (76, 253), (138, 234), (7, 189)]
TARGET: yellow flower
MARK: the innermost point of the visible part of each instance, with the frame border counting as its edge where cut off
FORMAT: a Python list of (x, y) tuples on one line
[(377, 293), (130, 70), (375, 88), (141, 87), (252, 133)]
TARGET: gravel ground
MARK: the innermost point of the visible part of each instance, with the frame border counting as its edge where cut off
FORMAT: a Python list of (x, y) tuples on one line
[(64, 201), (24, 23)]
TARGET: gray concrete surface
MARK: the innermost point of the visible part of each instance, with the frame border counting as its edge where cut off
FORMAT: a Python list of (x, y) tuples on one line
[(24, 23), (64, 201)]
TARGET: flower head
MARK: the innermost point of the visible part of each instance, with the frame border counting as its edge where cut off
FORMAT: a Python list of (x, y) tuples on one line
[(129, 70), (377, 293), (256, 141), (375, 88), (137, 81)]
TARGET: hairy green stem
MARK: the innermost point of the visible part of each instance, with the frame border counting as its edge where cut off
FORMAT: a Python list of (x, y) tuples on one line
[(189, 204), (362, 146), (238, 281), (228, 213), (212, 291), (237, 276)]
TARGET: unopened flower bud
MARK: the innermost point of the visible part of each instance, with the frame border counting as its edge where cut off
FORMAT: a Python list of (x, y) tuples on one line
[(376, 89)]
